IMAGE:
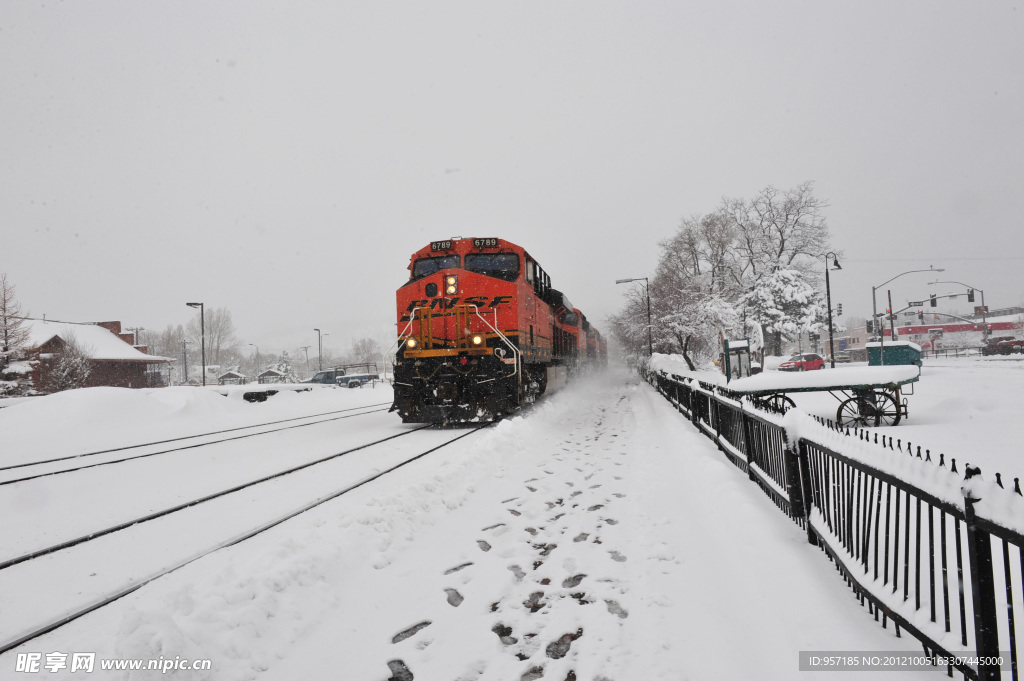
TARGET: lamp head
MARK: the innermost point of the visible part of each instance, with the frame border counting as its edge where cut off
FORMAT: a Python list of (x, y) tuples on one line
[(624, 281), (835, 263), (194, 304)]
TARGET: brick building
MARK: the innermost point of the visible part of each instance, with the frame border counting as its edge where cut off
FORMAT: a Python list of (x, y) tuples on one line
[(113, 359)]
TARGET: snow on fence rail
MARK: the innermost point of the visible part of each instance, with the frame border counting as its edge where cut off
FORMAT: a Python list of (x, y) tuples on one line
[(940, 555)]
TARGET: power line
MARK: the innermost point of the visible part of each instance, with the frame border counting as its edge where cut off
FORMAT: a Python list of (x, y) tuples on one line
[(1009, 257)]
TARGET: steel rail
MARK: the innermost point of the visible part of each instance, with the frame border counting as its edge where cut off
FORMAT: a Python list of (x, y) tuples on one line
[(188, 504), (194, 446), (186, 437), (9, 645)]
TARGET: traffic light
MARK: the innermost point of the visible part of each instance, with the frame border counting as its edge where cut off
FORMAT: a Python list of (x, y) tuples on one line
[(932, 301), (920, 315), (970, 295), (869, 326), (839, 309)]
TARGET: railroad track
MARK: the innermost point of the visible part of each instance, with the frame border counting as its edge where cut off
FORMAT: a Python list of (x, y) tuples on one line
[(48, 588), (74, 462)]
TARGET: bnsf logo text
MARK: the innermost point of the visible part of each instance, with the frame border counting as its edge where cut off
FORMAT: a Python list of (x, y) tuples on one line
[(449, 303)]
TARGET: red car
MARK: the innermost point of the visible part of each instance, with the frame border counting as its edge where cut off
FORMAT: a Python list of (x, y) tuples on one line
[(807, 361)]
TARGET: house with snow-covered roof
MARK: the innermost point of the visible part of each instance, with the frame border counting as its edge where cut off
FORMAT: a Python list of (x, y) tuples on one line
[(113, 359)]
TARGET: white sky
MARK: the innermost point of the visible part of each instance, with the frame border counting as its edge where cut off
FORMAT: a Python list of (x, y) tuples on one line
[(283, 160)]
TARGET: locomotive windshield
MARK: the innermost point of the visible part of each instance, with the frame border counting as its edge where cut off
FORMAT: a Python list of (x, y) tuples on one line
[(500, 265), (424, 266)]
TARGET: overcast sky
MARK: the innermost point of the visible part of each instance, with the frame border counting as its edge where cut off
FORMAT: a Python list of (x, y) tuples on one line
[(284, 159)]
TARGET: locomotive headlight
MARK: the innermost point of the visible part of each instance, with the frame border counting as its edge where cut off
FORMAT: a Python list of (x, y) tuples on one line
[(478, 339), (451, 284), (411, 343)]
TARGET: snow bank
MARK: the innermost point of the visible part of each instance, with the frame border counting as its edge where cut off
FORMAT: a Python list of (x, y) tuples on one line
[(675, 364)]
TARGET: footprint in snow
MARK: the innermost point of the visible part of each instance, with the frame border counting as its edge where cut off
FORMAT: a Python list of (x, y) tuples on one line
[(484, 546), (517, 571), (572, 582), (454, 598), (504, 634), (582, 536), (402, 635), (617, 557), (611, 521), (596, 507), (457, 568), (616, 609), (399, 672)]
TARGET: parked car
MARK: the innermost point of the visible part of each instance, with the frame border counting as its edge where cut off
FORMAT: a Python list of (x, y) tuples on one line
[(1001, 345), (807, 361), (361, 373), (327, 377), (356, 380), (843, 356)]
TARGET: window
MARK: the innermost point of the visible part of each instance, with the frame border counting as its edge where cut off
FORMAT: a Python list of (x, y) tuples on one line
[(424, 266), (499, 265)]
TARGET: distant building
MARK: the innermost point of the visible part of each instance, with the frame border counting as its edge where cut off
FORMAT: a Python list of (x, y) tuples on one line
[(113, 360), (273, 376), (944, 332), (231, 377)]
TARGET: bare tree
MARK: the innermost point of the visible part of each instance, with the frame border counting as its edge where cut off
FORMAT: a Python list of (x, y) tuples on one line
[(220, 333), (366, 350), (13, 334), (780, 229), (70, 369)]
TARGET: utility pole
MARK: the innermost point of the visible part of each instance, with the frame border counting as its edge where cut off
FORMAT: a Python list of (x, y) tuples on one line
[(305, 348), (135, 330), (184, 360)]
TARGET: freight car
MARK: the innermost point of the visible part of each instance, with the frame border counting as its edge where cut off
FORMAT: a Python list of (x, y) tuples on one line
[(482, 332)]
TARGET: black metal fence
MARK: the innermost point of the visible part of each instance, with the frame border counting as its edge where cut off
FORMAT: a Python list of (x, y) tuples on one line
[(938, 567)]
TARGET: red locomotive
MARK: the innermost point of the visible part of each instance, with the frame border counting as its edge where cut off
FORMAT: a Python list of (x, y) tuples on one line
[(481, 332)]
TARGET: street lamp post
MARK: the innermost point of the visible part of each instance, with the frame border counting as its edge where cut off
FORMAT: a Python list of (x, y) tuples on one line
[(828, 302), (319, 351), (647, 289), (257, 361), (984, 310), (202, 332), (874, 306)]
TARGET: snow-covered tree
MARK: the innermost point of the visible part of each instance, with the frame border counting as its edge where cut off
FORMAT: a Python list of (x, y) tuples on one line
[(785, 305), (70, 369), (13, 334)]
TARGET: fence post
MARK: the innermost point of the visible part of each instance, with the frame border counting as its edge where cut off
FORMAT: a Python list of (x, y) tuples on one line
[(751, 447), (806, 491), (979, 548), (794, 483), (715, 410)]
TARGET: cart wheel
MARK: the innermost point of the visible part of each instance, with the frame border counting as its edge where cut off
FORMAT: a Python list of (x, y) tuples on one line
[(874, 408), (778, 402)]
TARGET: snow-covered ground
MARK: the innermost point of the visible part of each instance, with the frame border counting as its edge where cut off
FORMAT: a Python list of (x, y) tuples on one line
[(598, 536)]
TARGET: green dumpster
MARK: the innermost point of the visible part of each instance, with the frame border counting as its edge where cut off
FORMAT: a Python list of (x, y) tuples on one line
[(895, 353)]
